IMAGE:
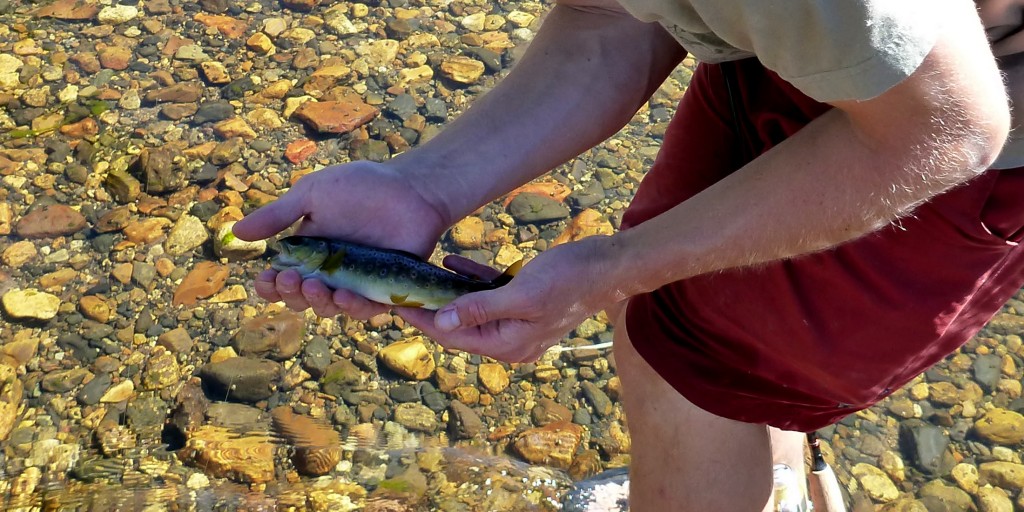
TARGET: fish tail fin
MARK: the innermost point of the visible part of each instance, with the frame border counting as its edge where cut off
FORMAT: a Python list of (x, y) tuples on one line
[(509, 273)]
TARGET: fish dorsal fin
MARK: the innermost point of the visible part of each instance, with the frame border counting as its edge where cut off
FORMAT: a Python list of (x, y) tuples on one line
[(508, 274)]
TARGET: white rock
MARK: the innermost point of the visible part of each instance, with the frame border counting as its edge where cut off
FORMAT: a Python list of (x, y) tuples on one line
[(68, 94), (227, 245), (475, 21), (117, 14), (31, 304), (187, 234)]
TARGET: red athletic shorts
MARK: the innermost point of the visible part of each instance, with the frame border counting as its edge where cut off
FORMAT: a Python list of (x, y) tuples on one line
[(801, 343)]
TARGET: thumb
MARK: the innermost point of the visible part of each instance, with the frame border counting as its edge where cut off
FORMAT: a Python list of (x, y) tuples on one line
[(475, 309), (270, 219)]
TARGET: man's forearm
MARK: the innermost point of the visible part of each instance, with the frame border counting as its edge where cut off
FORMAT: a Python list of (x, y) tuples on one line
[(582, 78)]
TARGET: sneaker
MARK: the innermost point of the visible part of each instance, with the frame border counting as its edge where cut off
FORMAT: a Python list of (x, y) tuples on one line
[(789, 493), (606, 492)]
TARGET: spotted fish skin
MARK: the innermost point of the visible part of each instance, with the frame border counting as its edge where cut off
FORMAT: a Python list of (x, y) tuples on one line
[(382, 275)]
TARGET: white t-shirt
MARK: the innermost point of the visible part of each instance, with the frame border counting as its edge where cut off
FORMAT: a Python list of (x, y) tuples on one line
[(829, 49)]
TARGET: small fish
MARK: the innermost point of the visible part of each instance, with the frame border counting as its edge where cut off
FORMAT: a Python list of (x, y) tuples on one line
[(382, 275)]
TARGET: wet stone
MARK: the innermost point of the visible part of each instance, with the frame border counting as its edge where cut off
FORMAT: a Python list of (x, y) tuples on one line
[(927, 446), (236, 416), (1001, 426), (416, 417), (50, 221), (598, 399), (335, 116), (158, 170), (317, 357), (92, 391), (240, 379), (213, 111), (64, 381), (277, 336), (986, 370), (533, 208), (463, 421)]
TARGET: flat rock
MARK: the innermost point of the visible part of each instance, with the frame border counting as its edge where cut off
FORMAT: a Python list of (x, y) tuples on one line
[(50, 221), (70, 10), (552, 445), (206, 279), (335, 116), (30, 304), (223, 453), (240, 379), (532, 208), (410, 359), (1001, 426), (277, 335)]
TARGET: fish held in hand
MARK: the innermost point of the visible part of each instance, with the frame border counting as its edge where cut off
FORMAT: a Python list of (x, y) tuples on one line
[(381, 275)]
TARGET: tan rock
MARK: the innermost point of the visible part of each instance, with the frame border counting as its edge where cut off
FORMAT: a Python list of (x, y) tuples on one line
[(410, 359), (222, 354), (1008, 475), (552, 445), (875, 482), (260, 43), (95, 308), (11, 392), (992, 499), (19, 253), (161, 370), (462, 69), (30, 304), (468, 233), (415, 75), (234, 127), (493, 377), (6, 216), (1001, 426), (215, 72), (966, 476), (118, 393)]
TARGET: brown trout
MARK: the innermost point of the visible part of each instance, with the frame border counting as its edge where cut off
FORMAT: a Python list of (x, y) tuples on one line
[(382, 275)]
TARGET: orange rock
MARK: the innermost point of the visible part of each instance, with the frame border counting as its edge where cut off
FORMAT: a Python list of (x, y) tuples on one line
[(588, 223), (206, 279), (335, 116), (230, 27), (299, 150), (69, 10), (547, 188), (85, 128), (552, 445), (115, 57)]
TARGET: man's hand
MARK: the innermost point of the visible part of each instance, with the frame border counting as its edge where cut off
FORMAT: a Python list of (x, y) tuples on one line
[(519, 321), (361, 202)]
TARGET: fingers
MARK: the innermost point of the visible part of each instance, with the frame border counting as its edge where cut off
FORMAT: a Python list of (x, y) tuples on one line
[(270, 219), (479, 308), (357, 306)]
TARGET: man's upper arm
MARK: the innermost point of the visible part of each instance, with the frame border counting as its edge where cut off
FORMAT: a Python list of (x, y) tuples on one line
[(956, 94)]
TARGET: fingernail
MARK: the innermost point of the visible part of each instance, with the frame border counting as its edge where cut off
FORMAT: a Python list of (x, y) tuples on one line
[(448, 319)]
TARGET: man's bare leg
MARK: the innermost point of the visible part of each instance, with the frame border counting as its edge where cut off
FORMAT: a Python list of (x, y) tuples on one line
[(683, 458)]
